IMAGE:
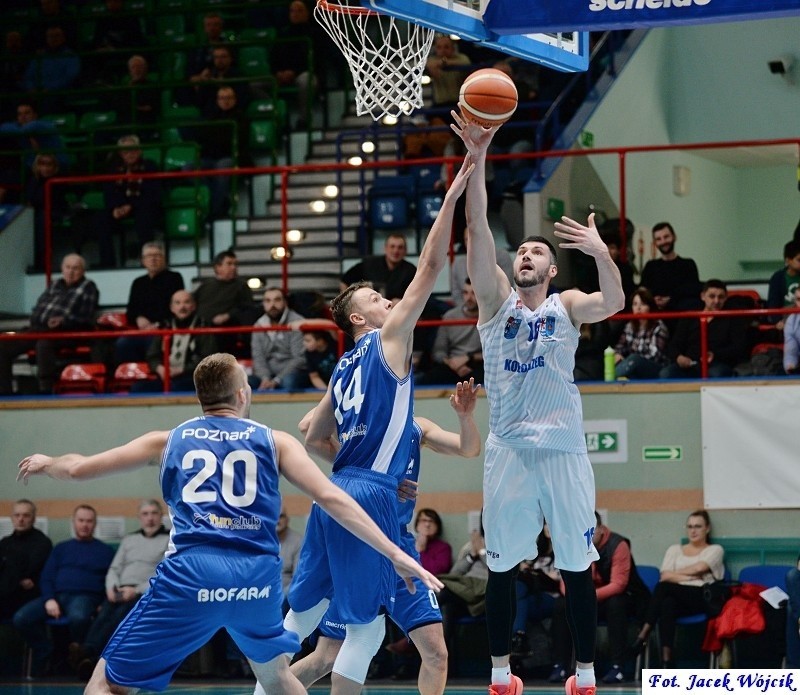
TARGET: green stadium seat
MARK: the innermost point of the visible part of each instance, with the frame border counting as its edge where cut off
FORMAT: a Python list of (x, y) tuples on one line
[(97, 119), (168, 27), (63, 121), (93, 201), (181, 114), (180, 157), (196, 196), (182, 223), (265, 34), (172, 65), (253, 60), (171, 136), (263, 136), (177, 5), (274, 109), (154, 154)]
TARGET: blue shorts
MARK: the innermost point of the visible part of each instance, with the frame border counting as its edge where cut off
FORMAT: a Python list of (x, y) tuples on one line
[(332, 560), (410, 610), (192, 595)]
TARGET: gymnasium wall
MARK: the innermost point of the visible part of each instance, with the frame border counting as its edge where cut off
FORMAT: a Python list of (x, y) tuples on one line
[(648, 502)]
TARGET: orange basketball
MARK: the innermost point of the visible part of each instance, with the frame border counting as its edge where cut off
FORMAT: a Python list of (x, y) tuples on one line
[(488, 97)]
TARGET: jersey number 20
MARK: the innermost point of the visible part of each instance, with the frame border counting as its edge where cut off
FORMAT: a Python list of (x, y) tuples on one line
[(352, 398), (191, 491)]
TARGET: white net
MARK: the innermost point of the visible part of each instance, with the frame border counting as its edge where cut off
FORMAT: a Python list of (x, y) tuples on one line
[(386, 56)]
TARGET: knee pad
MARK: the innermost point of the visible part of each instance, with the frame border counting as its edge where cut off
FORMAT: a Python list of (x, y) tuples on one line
[(306, 622), (360, 645)]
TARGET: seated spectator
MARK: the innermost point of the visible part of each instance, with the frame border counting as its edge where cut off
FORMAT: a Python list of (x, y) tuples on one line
[(791, 338), (684, 570), (127, 579), (54, 67), (138, 200), (186, 349), (69, 304), (226, 300), (12, 60), (221, 141), (223, 69), (640, 351), (390, 274), (321, 358), (621, 596), (457, 353), (45, 166), (537, 586), (51, 13), (72, 586), (448, 68), (142, 103), (200, 59), (278, 356), (22, 557), (148, 302), (727, 340), (673, 280), (115, 31), (435, 554), (783, 283)]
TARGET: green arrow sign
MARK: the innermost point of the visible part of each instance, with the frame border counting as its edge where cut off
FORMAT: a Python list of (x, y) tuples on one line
[(662, 453), (602, 441)]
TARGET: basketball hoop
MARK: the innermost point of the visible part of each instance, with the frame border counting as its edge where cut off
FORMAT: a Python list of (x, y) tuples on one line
[(386, 56)]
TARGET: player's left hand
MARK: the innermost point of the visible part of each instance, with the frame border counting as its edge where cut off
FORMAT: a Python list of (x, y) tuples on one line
[(36, 464), (583, 238), (407, 490), (466, 395), (476, 138)]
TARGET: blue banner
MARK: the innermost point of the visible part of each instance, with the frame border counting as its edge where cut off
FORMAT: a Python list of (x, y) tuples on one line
[(531, 16)]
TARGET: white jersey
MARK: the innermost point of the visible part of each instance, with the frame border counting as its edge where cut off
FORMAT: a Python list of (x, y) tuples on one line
[(528, 359)]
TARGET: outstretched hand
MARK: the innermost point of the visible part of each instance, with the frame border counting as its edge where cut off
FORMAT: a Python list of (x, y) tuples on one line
[(408, 568), (466, 395), (476, 138), (35, 464), (460, 181), (583, 238)]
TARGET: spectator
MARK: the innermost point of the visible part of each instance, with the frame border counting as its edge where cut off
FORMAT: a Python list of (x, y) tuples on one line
[(45, 166), (673, 281), (290, 59), (537, 586), (727, 340), (12, 61), (52, 13), (791, 338), (135, 199), (435, 554), (458, 271), (222, 70), (389, 274), (115, 31), (278, 356), (640, 351), (320, 358), (783, 283), (54, 67), (71, 586), (447, 69), (22, 557), (220, 138), (290, 541), (186, 349), (793, 617), (69, 304), (225, 300), (457, 352), (127, 579), (679, 592), (142, 103), (200, 60), (621, 596), (148, 302)]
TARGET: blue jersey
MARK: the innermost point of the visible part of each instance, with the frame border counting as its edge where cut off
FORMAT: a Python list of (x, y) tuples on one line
[(405, 509), (219, 478), (373, 410)]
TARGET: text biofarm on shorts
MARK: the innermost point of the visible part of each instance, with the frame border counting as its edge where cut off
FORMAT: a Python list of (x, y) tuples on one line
[(743, 681)]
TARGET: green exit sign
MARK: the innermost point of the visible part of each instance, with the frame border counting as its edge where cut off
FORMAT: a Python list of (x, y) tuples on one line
[(587, 138), (602, 441), (662, 453)]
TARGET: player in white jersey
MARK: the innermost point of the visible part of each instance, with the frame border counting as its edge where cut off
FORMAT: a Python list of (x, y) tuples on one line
[(223, 570), (372, 457), (536, 465)]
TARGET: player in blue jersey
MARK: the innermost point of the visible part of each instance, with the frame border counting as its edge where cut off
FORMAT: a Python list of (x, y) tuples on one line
[(219, 477), (416, 614), (536, 465), (368, 407)]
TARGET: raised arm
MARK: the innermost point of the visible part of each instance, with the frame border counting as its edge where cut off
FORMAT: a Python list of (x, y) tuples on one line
[(489, 282), (136, 453), (467, 441), (302, 472), (594, 307)]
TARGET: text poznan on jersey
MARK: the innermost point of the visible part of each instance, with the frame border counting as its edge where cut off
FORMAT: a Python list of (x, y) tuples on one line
[(234, 593), (217, 435), (600, 5)]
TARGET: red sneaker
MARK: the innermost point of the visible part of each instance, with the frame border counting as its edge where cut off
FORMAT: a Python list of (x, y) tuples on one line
[(513, 688), (571, 688)]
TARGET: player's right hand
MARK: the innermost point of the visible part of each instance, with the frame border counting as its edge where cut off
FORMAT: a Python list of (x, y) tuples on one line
[(407, 567), (36, 464)]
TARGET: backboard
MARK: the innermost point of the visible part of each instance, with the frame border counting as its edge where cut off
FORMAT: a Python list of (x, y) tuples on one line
[(568, 52)]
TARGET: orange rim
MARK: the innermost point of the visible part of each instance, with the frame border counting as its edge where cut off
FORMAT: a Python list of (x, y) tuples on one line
[(343, 9)]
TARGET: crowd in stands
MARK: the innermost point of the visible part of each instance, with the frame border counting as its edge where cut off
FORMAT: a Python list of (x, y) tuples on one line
[(86, 587)]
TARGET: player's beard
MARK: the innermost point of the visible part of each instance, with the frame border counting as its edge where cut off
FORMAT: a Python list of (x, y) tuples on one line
[(536, 279)]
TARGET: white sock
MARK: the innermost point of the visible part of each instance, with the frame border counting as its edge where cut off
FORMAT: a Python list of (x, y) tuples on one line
[(585, 677), (501, 675)]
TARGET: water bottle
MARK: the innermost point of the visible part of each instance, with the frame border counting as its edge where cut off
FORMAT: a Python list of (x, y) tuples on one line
[(608, 364)]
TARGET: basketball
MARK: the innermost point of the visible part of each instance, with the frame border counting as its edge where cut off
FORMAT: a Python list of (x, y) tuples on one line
[(488, 97)]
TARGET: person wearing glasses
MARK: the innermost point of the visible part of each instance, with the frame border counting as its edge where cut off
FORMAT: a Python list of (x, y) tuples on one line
[(684, 570), (791, 338)]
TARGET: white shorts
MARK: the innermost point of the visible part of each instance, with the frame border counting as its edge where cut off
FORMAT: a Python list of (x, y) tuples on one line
[(523, 487)]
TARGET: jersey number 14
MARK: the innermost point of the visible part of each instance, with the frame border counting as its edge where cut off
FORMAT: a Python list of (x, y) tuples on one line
[(352, 398)]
